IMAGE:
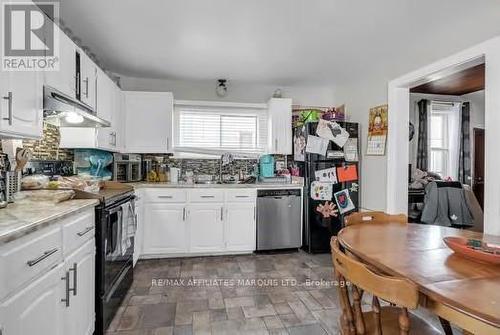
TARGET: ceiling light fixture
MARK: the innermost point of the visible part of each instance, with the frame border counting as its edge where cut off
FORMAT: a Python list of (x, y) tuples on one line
[(221, 89)]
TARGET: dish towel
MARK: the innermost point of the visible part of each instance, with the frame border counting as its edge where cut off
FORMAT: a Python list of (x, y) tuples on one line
[(129, 225)]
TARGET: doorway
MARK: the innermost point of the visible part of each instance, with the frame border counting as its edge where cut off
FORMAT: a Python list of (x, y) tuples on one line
[(398, 100), (478, 166)]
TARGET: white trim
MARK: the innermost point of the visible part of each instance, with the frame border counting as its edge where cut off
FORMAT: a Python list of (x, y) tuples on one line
[(225, 104), (398, 101)]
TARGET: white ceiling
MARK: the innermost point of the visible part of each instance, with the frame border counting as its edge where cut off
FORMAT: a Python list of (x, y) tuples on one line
[(280, 42)]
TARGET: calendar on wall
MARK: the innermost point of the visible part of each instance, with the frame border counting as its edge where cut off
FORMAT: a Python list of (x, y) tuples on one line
[(377, 131)]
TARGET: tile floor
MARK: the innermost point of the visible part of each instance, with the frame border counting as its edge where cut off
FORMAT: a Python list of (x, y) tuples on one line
[(289, 293)]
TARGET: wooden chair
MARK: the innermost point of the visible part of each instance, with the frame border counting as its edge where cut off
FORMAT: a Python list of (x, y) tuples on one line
[(387, 320), (374, 217)]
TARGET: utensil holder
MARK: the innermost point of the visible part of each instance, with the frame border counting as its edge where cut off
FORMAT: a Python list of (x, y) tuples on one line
[(12, 184)]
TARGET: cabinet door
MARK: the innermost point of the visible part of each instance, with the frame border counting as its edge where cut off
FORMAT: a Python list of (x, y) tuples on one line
[(240, 227), (37, 308), (206, 228), (79, 316), (64, 79), (148, 122), (21, 105), (165, 229), (88, 80), (280, 125), (104, 104)]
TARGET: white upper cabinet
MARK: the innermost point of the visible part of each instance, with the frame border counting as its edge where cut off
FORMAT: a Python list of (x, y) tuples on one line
[(21, 98), (21, 104), (63, 80), (88, 80), (148, 122), (280, 126)]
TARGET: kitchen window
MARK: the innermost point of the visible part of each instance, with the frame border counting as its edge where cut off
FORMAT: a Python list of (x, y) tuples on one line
[(215, 128)]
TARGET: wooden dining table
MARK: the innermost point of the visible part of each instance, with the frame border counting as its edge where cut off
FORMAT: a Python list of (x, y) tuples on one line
[(463, 291)]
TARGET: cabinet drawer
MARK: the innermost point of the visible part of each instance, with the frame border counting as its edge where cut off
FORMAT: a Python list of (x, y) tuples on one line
[(206, 195), (165, 195), (77, 229), (26, 258), (241, 195)]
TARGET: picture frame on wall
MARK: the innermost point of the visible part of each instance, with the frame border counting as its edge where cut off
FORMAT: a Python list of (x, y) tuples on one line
[(377, 131)]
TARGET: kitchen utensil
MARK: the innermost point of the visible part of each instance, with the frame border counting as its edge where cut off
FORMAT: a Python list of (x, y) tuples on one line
[(12, 184), (22, 157)]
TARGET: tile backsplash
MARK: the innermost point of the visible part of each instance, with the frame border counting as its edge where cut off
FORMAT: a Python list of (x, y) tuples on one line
[(47, 148), (209, 166)]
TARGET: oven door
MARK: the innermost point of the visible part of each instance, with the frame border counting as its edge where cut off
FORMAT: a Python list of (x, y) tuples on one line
[(116, 252)]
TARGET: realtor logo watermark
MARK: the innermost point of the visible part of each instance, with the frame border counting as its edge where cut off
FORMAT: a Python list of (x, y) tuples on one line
[(30, 41)]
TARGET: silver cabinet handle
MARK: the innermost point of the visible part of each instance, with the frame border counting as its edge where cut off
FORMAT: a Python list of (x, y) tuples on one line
[(222, 213), (85, 231), (276, 144), (66, 298), (10, 115), (86, 81), (207, 196), (165, 197), (184, 214), (75, 278), (42, 257), (242, 196), (168, 143), (254, 212)]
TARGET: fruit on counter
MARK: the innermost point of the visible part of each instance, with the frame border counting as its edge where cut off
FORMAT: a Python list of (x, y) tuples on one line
[(53, 185)]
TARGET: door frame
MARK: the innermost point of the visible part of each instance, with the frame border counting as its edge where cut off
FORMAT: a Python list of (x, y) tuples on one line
[(399, 107)]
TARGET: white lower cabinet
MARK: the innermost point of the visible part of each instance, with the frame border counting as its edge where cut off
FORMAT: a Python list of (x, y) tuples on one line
[(198, 222), (240, 227), (53, 295), (165, 229), (37, 308), (206, 227), (79, 316)]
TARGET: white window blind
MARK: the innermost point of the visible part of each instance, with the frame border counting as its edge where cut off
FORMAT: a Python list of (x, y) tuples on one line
[(217, 129)]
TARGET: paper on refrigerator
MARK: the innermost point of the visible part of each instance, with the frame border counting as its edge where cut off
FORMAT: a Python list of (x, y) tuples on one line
[(316, 145)]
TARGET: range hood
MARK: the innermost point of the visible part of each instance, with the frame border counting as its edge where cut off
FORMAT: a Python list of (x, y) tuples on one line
[(62, 110)]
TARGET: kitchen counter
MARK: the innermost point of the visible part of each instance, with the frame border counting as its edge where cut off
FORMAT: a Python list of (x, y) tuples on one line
[(223, 186), (23, 217)]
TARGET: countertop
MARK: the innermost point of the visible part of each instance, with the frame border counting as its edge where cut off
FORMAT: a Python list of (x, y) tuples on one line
[(24, 217), (140, 185)]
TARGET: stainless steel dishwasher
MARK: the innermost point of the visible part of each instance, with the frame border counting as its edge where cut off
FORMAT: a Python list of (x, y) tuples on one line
[(279, 219)]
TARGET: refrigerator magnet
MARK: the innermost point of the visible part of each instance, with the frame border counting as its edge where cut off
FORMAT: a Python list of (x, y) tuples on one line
[(326, 175), (321, 190), (347, 173), (344, 201), (332, 131), (328, 209)]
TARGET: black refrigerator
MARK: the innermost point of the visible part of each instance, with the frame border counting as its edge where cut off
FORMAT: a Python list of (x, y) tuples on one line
[(318, 230)]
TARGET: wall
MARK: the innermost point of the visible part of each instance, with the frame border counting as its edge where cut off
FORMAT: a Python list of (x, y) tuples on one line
[(237, 91)]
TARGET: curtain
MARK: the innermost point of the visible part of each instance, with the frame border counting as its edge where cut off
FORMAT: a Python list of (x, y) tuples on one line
[(422, 147), (464, 163)]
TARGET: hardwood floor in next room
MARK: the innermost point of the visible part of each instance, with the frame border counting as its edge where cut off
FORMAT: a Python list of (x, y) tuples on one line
[(152, 308)]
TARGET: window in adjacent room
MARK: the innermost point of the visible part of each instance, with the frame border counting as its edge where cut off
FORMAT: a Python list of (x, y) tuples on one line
[(443, 139)]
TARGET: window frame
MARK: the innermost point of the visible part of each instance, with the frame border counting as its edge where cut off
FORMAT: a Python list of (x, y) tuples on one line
[(222, 109)]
